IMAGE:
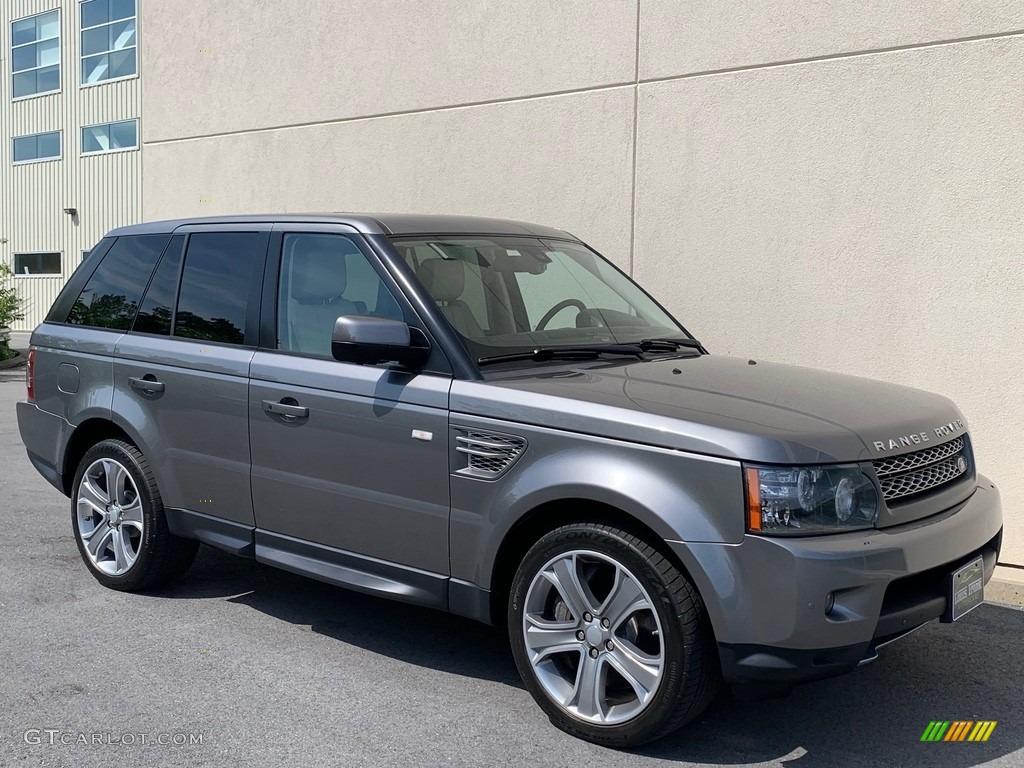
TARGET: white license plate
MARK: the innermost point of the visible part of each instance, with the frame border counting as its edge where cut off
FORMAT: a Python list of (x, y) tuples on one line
[(967, 589)]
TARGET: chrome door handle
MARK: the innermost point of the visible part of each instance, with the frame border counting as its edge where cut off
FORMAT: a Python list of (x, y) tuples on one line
[(287, 411), (147, 384)]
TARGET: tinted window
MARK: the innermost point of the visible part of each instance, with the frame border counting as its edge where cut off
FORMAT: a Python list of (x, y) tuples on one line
[(111, 296), (37, 264), (215, 286), (322, 278), (158, 306)]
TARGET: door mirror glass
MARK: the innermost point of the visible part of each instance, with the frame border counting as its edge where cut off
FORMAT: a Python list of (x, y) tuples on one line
[(370, 340)]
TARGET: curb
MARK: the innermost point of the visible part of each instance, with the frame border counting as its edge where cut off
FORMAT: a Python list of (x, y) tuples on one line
[(1006, 587), (19, 359)]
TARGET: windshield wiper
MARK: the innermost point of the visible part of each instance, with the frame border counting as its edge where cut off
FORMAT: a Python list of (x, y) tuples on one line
[(541, 354), (669, 344)]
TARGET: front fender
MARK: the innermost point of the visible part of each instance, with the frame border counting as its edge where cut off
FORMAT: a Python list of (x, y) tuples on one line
[(681, 497)]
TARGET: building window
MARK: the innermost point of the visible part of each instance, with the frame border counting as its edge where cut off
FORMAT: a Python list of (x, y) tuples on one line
[(109, 49), (110, 137), (38, 146), (37, 264), (35, 55)]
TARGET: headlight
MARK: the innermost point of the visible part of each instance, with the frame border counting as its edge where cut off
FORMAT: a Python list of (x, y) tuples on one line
[(797, 501)]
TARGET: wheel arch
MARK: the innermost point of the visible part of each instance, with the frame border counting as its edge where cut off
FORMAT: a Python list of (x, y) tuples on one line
[(85, 436), (549, 515)]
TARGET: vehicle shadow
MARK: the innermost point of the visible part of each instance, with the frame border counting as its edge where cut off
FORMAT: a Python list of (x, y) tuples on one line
[(443, 642), (874, 716)]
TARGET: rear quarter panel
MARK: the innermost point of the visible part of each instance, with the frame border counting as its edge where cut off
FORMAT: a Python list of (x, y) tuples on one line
[(85, 388)]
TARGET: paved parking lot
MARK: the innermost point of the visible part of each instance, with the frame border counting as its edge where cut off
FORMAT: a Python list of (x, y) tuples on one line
[(271, 669)]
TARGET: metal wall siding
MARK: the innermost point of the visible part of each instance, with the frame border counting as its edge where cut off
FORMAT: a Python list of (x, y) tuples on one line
[(106, 189)]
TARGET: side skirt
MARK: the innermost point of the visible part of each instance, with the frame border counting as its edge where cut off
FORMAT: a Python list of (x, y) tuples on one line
[(352, 571), (222, 534), (335, 566)]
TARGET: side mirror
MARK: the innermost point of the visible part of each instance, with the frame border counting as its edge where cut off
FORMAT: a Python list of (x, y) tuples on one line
[(370, 340)]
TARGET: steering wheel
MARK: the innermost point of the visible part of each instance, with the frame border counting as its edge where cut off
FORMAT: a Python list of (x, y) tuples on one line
[(558, 308)]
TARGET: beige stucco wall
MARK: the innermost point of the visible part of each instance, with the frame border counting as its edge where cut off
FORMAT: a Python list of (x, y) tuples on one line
[(838, 185)]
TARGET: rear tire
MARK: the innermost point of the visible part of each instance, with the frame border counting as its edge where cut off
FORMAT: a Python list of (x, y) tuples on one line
[(119, 522), (612, 641)]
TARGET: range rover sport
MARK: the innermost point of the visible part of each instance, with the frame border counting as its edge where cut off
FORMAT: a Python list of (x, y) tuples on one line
[(489, 418)]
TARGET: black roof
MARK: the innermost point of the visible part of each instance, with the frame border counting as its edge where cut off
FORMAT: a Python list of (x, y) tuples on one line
[(367, 223)]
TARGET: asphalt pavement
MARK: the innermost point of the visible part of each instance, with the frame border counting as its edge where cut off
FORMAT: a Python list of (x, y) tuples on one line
[(241, 664)]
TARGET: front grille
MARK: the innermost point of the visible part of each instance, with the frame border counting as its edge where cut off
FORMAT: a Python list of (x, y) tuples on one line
[(490, 454), (907, 461), (912, 473)]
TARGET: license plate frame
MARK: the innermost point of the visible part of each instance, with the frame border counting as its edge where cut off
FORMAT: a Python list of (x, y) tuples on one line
[(965, 589)]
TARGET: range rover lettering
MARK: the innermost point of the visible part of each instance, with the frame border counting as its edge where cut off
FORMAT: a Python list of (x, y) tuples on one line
[(489, 418)]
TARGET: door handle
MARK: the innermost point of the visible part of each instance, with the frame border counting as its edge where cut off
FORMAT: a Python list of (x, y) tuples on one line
[(289, 411), (148, 384)]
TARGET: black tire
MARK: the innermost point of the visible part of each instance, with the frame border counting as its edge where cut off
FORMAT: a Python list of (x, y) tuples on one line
[(691, 672), (162, 556)]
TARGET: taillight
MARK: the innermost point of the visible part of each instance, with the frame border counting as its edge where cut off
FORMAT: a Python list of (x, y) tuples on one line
[(30, 375)]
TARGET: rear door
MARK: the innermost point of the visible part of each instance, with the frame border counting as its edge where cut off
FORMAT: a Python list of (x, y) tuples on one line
[(181, 373), (350, 462)]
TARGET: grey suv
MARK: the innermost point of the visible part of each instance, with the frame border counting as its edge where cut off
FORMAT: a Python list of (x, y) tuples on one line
[(489, 418)]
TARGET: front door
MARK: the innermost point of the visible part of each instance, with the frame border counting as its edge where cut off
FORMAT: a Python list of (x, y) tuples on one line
[(349, 462)]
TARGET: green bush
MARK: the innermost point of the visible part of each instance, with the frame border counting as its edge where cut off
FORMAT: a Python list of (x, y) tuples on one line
[(11, 308)]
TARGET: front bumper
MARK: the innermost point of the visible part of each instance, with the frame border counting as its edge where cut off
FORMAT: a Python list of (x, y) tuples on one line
[(766, 597)]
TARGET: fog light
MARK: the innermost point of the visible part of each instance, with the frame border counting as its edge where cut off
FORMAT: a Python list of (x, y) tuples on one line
[(830, 602)]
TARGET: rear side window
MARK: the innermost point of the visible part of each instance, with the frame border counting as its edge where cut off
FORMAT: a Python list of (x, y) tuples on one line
[(111, 296), (157, 308), (215, 286)]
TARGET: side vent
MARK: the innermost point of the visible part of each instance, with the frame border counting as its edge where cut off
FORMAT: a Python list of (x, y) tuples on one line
[(489, 455)]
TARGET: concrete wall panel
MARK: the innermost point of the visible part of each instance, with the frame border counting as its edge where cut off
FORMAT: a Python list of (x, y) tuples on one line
[(678, 38), (237, 65), (563, 161), (862, 215)]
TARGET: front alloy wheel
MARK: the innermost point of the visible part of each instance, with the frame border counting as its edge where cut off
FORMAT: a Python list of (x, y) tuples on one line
[(610, 638), (593, 637)]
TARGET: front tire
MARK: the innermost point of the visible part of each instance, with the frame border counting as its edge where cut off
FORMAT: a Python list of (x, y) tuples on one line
[(119, 522), (612, 641)]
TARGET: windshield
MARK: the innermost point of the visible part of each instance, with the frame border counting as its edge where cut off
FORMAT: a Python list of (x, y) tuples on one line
[(513, 294)]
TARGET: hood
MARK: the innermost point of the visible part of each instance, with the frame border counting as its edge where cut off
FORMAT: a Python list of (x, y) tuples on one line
[(724, 406)]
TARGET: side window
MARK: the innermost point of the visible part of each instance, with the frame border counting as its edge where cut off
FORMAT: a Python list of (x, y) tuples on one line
[(325, 276), (215, 286), (157, 308), (112, 294)]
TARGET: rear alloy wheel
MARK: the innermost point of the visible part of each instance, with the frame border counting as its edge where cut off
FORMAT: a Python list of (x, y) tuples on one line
[(609, 637), (119, 521)]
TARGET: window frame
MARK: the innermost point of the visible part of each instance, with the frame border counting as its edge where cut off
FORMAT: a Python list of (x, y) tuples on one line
[(36, 276), (60, 50), (82, 57), (81, 138), (52, 158)]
